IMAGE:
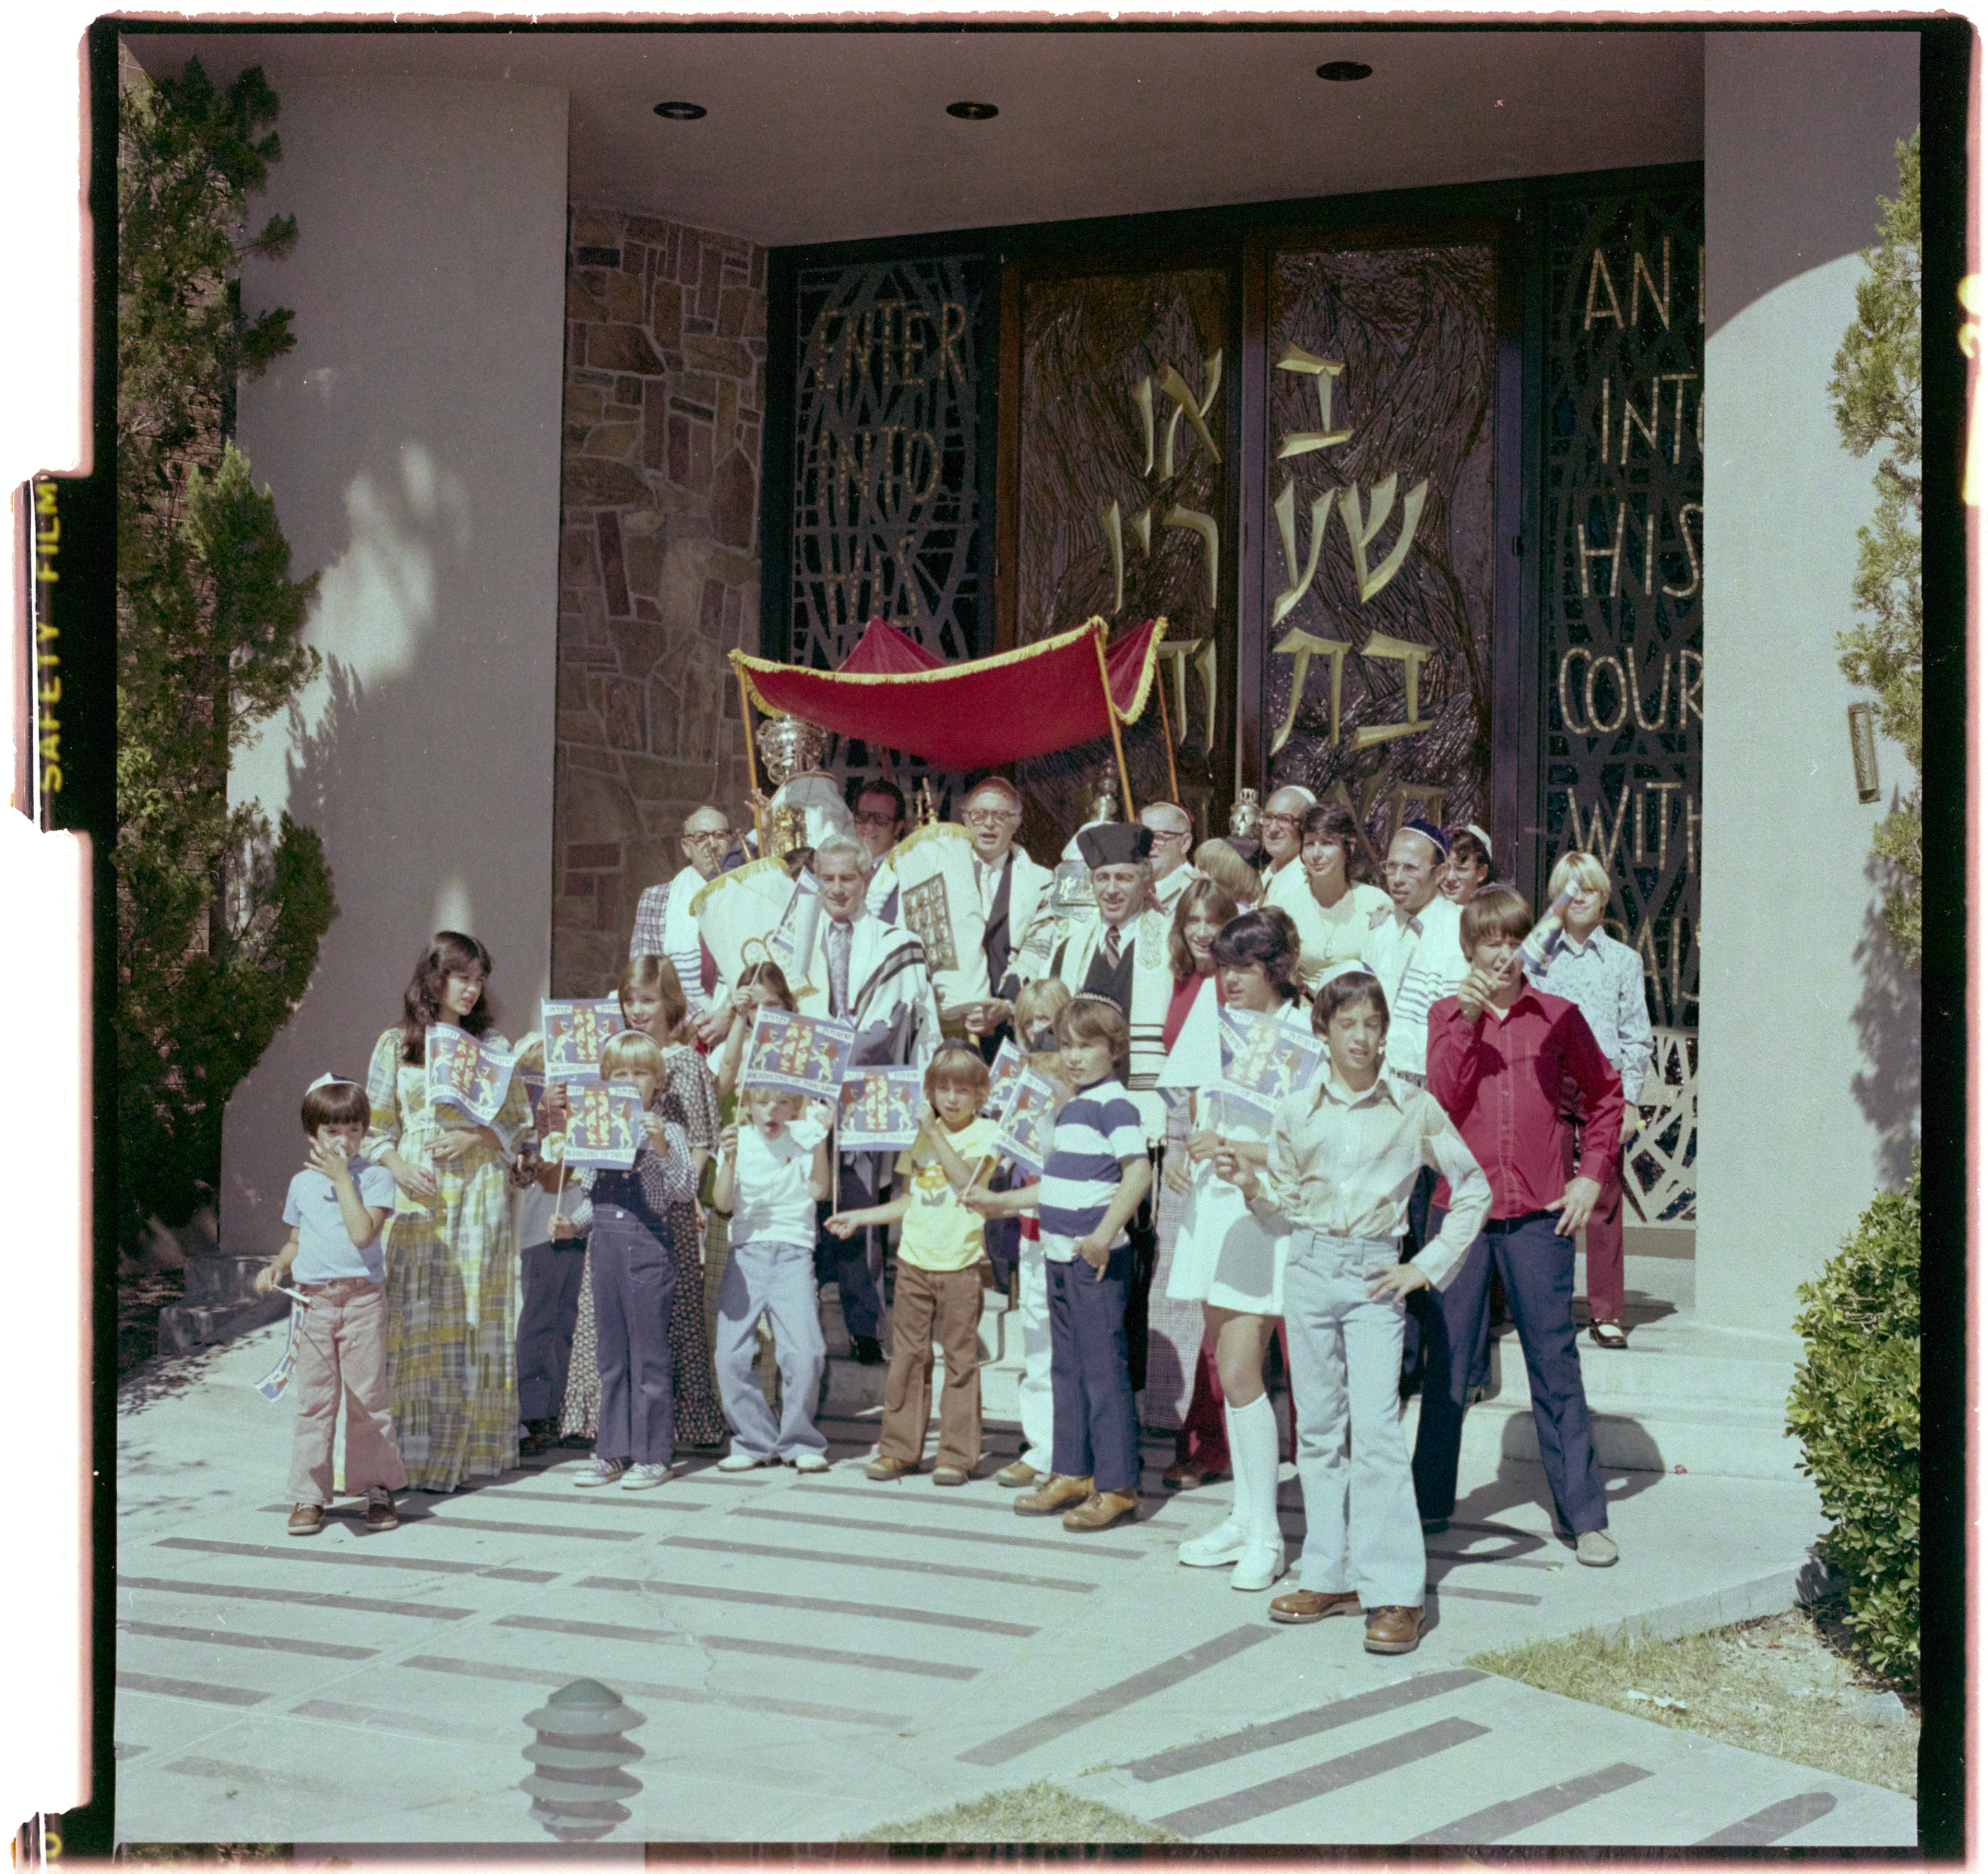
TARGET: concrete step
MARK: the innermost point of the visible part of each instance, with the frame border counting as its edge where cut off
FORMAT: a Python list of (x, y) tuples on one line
[(186, 1325)]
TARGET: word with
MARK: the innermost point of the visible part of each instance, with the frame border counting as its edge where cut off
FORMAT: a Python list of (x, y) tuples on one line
[(908, 344), (1601, 283), (1605, 841), (1632, 416), (1612, 553), (1305, 645), (1194, 411), (48, 687), (1629, 695)]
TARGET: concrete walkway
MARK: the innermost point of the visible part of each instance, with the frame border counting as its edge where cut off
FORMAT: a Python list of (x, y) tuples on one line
[(814, 1657)]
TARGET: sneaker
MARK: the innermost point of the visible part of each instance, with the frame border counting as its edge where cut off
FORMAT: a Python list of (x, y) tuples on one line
[(888, 1470), (1224, 1544), (1258, 1566), (950, 1475), (1596, 1549), (1019, 1476), (736, 1461), (645, 1476), (306, 1519), (380, 1512), (809, 1463), (597, 1471)]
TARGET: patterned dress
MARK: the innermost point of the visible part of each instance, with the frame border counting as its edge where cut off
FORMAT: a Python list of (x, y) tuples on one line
[(688, 1096), (451, 1286)]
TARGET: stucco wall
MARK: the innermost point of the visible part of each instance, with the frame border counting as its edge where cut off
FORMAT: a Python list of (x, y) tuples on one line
[(412, 443), (1808, 1066)]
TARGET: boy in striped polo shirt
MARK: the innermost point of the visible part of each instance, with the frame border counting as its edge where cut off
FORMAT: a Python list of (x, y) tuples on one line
[(1093, 1180)]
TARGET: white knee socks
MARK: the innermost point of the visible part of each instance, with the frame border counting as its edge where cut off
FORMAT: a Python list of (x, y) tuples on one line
[(1252, 1456)]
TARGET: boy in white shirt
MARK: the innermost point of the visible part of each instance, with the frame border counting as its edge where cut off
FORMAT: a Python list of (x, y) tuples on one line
[(336, 1206), (772, 1171)]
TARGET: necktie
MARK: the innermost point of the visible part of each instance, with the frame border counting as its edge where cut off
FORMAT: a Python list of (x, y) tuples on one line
[(1111, 945), (839, 935)]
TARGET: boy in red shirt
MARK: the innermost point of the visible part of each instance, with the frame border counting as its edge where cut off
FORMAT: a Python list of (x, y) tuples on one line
[(1500, 1052)]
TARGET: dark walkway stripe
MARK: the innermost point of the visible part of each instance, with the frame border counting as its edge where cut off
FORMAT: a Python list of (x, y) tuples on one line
[(1245, 1805), (297, 1552), (1443, 1591), (1768, 1825), (224, 1636), (1066, 1547), (595, 1629), (1362, 1705), (914, 1616), (295, 1597), (613, 1497), (254, 1774), (944, 1500), (1108, 1699), (946, 1570), (831, 1656), (563, 1532), (189, 1688), (1504, 1819), (1457, 1557), (678, 1694), (374, 1718)]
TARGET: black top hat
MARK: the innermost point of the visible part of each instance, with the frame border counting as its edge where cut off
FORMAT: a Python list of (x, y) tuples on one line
[(1113, 843)]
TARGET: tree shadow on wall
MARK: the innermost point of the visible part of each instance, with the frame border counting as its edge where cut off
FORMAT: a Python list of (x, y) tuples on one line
[(1887, 1018)]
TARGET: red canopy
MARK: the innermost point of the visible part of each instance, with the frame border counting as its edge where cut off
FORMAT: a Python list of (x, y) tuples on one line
[(891, 691)]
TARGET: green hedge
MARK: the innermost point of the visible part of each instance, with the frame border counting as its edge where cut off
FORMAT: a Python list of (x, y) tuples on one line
[(1855, 1407)]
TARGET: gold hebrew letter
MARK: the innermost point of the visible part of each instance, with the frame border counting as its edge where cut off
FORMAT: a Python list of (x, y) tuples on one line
[(1285, 508), (1185, 405), (1414, 657), (1116, 541), (1325, 372), (1304, 645), (1360, 532), (1211, 539)]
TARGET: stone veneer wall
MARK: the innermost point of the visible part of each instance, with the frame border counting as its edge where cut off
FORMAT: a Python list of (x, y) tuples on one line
[(659, 567)]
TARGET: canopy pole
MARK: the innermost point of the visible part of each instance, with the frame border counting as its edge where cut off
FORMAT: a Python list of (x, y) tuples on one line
[(1167, 731), (751, 767), (1111, 716)]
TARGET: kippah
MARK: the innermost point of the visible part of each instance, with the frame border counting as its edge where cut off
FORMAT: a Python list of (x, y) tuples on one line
[(1434, 835), (1353, 969), (1482, 837), (1113, 842), (330, 1080)]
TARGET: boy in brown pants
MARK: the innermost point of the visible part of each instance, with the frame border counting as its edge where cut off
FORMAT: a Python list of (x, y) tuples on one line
[(942, 1267)]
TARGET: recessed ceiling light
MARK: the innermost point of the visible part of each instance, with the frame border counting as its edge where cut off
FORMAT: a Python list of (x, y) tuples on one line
[(971, 112), (1344, 71), (682, 113)]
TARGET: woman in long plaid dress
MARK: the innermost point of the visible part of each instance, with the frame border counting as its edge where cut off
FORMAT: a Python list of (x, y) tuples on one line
[(451, 1266)]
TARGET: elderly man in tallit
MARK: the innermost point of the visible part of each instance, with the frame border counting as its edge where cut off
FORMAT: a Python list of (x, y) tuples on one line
[(969, 893), (855, 967)]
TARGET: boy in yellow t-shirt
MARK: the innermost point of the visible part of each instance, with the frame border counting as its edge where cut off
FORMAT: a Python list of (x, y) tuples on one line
[(942, 1269)]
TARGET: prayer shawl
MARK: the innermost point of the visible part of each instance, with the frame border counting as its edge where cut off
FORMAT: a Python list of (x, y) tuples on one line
[(1145, 938), (987, 937)]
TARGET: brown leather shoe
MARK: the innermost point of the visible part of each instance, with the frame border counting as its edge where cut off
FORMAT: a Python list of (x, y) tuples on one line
[(1019, 1475), (1101, 1509), (1051, 1494), (1302, 1608), (306, 1519), (881, 1470), (380, 1511), (1188, 1475), (1393, 1629)]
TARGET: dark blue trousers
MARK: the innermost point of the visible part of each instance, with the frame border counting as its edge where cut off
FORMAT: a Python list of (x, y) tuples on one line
[(546, 1318), (1096, 1428), (845, 1261), (634, 1275), (1537, 1266)]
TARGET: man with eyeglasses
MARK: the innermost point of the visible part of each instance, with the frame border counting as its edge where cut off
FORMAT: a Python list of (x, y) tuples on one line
[(664, 925), (1009, 887), (1282, 831), (879, 808), (1172, 828)]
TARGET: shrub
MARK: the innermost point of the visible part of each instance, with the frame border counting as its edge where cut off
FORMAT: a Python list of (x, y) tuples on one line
[(1855, 1407)]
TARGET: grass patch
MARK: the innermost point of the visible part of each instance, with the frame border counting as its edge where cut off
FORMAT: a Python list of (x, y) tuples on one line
[(1040, 1812), (1783, 1686)]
